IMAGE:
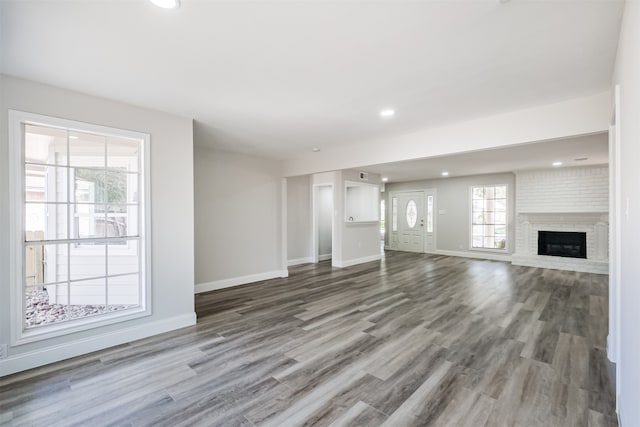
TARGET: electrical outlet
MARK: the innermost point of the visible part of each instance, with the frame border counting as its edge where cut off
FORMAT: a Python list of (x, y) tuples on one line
[(3, 351)]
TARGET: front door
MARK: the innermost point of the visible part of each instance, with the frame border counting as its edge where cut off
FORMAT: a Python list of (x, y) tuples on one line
[(411, 221)]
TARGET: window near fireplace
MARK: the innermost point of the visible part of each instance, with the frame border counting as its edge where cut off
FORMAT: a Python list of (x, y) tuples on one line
[(489, 217)]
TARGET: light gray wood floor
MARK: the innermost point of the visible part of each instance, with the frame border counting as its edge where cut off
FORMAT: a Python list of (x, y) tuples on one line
[(413, 340)]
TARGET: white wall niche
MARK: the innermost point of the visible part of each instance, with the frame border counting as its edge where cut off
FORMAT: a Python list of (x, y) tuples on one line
[(362, 202)]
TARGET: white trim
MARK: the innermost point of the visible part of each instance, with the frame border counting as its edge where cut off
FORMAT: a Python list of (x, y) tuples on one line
[(614, 257), (610, 349), (32, 359), (81, 324), (237, 281), (284, 251), (474, 254), (615, 239), (355, 261), (489, 250), (324, 257), (315, 256), (299, 261), (16, 272)]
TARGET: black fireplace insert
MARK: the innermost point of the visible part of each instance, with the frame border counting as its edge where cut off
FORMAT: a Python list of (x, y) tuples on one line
[(562, 243)]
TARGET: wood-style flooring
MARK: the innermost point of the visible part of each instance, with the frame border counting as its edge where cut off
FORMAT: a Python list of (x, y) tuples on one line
[(412, 340)]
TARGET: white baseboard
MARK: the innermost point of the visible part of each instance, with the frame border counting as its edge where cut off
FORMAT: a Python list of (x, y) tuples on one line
[(237, 281), (355, 261), (44, 356), (299, 261), (324, 257), (472, 254), (611, 352)]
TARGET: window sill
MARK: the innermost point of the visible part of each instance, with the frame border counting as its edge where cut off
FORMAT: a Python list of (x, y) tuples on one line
[(77, 325), (496, 250)]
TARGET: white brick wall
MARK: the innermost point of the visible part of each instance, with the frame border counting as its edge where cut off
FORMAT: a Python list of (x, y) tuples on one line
[(568, 199), (584, 189)]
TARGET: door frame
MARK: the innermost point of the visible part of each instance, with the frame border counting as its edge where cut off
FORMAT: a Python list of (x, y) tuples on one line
[(388, 222), (615, 239), (314, 222)]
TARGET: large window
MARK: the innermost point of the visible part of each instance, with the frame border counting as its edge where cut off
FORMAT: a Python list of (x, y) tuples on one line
[(80, 191), (489, 217)]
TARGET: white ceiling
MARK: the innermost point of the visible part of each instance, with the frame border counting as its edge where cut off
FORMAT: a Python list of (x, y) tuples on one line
[(539, 155), (277, 78)]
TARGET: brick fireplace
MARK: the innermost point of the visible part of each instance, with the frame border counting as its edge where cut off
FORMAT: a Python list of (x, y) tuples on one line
[(570, 200)]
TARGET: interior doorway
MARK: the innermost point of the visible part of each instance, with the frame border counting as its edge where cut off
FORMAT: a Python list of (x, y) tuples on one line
[(323, 222)]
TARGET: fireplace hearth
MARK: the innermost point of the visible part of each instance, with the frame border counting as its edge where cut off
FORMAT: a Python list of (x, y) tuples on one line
[(562, 244)]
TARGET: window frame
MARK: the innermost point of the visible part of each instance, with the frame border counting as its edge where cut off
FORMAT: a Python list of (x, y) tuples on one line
[(507, 211), (19, 334)]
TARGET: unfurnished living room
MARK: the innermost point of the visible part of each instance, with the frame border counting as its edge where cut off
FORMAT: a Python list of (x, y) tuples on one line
[(310, 212)]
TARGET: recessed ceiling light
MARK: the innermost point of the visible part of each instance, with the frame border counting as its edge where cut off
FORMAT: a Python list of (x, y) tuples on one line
[(556, 164), (73, 137), (167, 4), (385, 179), (316, 149), (445, 173), (387, 113)]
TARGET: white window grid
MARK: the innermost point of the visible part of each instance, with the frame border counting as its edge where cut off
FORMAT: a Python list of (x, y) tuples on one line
[(18, 175), (489, 220)]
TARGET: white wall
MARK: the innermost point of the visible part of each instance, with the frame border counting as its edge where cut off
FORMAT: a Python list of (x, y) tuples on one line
[(352, 243), (171, 211), (627, 72), (324, 215), (581, 189), (452, 209), (580, 116), (357, 242), (298, 219), (238, 225), (362, 202)]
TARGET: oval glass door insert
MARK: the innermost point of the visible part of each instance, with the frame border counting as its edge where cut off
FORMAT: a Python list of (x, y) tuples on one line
[(412, 213)]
